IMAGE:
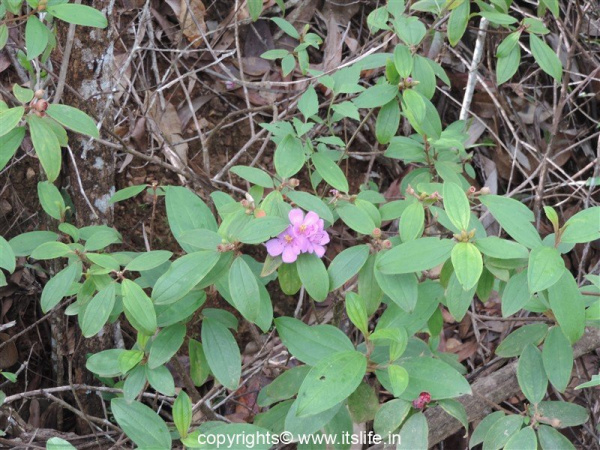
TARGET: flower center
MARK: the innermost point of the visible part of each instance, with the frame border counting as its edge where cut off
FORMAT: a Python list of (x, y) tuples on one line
[(288, 238), (302, 228)]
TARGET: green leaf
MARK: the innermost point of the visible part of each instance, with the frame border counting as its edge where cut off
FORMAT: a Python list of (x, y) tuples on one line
[(59, 286), (456, 410), (376, 96), (243, 287), (309, 103), (313, 275), (483, 427), (78, 15), (161, 380), (288, 64), (51, 250), (36, 37), (531, 374), (401, 288), (523, 440), (287, 27), (51, 200), (582, 227), (412, 222), (347, 264), (515, 295), (557, 356), (330, 381), (457, 23), (25, 243), (3, 35), (390, 416), (199, 370), (501, 431), (260, 229), (545, 57), (414, 256), (182, 276), (457, 298), (7, 256), (410, 29), (134, 383), (149, 260), (516, 341), (141, 424), (222, 353), (126, 193), (552, 5), (563, 414), (346, 109), (311, 344), (356, 218), (514, 217), (550, 439), (388, 121), (253, 175), (138, 308), (129, 359), (414, 433), (403, 60), (9, 144), (357, 312), (399, 379), (255, 8), (275, 53), (501, 248), (57, 443), (97, 311), (289, 156), (457, 205), (363, 403), (434, 376), (182, 413), (106, 363), (73, 119), (186, 211), (166, 343), (508, 64), (9, 119), (568, 306), (46, 145), (330, 171), (285, 386), (468, 264), (546, 266)]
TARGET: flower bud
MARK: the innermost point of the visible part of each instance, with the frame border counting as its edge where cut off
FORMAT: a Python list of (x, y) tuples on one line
[(41, 105), (410, 190), (472, 190), (422, 401), (294, 182), (39, 93), (485, 190), (376, 233), (386, 244), (245, 203)]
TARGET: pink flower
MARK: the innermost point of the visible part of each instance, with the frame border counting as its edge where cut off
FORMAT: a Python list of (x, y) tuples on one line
[(304, 235), (286, 244)]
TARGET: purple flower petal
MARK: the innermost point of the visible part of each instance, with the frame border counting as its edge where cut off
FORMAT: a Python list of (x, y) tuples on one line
[(296, 216), (289, 255), (275, 247)]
